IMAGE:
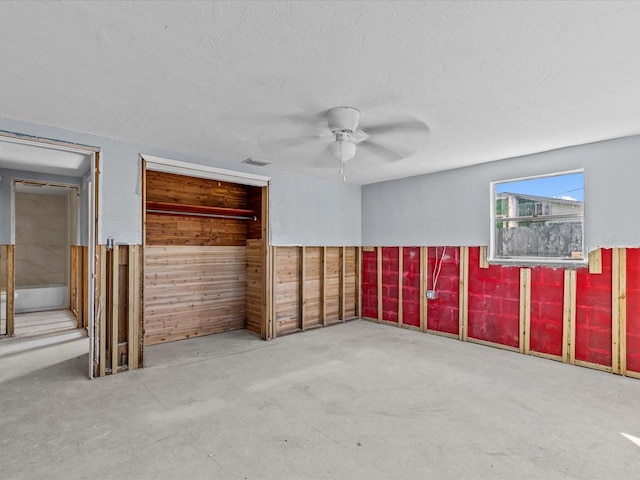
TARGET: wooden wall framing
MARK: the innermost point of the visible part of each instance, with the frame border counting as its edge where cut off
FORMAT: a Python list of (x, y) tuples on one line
[(79, 279), (615, 264), (313, 287), (118, 312)]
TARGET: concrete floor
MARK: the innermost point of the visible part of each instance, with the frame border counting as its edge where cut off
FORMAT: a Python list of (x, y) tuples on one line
[(359, 400)]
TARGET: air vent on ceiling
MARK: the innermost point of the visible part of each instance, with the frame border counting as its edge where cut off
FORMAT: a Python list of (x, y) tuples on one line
[(253, 161)]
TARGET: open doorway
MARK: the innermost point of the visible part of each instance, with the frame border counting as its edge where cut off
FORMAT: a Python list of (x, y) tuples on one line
[(46, 229), (47, 237)]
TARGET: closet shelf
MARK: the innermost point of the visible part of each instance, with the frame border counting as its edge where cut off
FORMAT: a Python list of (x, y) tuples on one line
[(164, 208)]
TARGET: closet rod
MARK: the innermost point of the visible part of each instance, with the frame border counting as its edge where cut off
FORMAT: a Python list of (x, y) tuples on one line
[(208, 215)]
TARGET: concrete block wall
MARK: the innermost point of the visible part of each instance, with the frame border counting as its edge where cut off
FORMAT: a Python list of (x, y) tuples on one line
[(587, 316)]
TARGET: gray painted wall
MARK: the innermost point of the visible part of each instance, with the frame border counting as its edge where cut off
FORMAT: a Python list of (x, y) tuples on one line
[(6, 182), (452, 207), (303, 210)]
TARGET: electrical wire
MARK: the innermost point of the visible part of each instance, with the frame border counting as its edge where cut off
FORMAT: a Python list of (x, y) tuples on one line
[(437, 267)]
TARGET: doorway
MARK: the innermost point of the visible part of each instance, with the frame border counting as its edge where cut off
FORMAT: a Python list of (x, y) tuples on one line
[(47, 236), (46, 227)]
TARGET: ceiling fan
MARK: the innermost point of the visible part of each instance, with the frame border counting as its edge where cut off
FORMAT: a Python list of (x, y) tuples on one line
[(349, 138)]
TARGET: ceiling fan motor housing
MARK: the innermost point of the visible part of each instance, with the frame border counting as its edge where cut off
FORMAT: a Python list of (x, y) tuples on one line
[(343, 119)]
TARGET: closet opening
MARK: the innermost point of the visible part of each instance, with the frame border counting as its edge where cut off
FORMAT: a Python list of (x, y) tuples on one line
[(205, 251)]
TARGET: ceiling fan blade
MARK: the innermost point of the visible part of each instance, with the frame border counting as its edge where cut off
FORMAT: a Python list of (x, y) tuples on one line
[(414, 125), (379, 150), (271, 146), (325, 159)]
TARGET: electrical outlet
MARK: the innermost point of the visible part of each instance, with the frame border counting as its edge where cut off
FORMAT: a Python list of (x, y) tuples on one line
[(432, 294)]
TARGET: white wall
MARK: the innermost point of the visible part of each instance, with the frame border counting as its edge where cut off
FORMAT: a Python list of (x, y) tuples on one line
[(303, 210), (452, 207)]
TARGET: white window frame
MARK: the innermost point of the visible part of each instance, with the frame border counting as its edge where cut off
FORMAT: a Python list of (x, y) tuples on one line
[(492, 258)]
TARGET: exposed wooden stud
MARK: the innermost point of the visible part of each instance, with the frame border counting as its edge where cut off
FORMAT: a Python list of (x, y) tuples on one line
[(594, 366), (423, 288), (342, 286), (133, 307), (368, 249), (274, 265), (73, 284), (463, 303), (569, 317), (595, 261), (359, 282), (525, 310), (618, 311), (379, 280), (102, 311), (11, 289), (302, 282), (85, 287), (622, 350), (400, 271), (323, 283), (615, 310), (131, 280), (115, 307), (484, 263), (493, 344)]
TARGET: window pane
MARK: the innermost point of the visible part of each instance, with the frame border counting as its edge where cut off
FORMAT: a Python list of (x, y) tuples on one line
[(539, 217)]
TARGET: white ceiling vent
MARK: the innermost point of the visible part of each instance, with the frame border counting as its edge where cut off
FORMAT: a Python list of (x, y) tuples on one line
[(257, 163)]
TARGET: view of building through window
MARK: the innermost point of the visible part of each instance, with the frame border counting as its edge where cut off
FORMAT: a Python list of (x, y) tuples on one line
[(539, 218)]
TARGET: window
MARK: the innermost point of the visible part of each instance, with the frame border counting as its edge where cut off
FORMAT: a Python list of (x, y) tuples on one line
[(538, 219)]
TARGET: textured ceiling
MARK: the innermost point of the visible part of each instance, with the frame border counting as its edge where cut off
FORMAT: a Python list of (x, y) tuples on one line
[(218, 79)]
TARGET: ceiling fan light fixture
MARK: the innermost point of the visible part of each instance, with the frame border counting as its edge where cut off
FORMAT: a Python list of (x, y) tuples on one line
[(343, 150)]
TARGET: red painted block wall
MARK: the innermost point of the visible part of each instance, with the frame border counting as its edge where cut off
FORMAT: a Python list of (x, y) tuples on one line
[(494, 302), (633, 309), (547, 301), (411, 286), (390, 280), (369, 284), (443, 312), (593, 314)]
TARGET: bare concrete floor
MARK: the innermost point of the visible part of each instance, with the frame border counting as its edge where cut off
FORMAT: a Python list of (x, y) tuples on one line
[(359, 400)]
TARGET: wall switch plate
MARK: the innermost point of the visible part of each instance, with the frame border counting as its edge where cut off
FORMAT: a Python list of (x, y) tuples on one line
[(432, 294)]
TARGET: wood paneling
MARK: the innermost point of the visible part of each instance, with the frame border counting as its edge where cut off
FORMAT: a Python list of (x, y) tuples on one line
[(217, 281), (164, 229), (255, 272), (172, 188), (198, 231), (286, 289), (351, 282), (313, 287), (254, 203), (316, 284), (193, 291), (332, 284)]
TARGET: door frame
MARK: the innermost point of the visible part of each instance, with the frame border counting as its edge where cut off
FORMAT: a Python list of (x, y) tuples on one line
[(92, 212)]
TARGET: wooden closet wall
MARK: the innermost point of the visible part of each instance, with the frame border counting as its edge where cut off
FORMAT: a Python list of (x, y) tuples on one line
[(203, 274)]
